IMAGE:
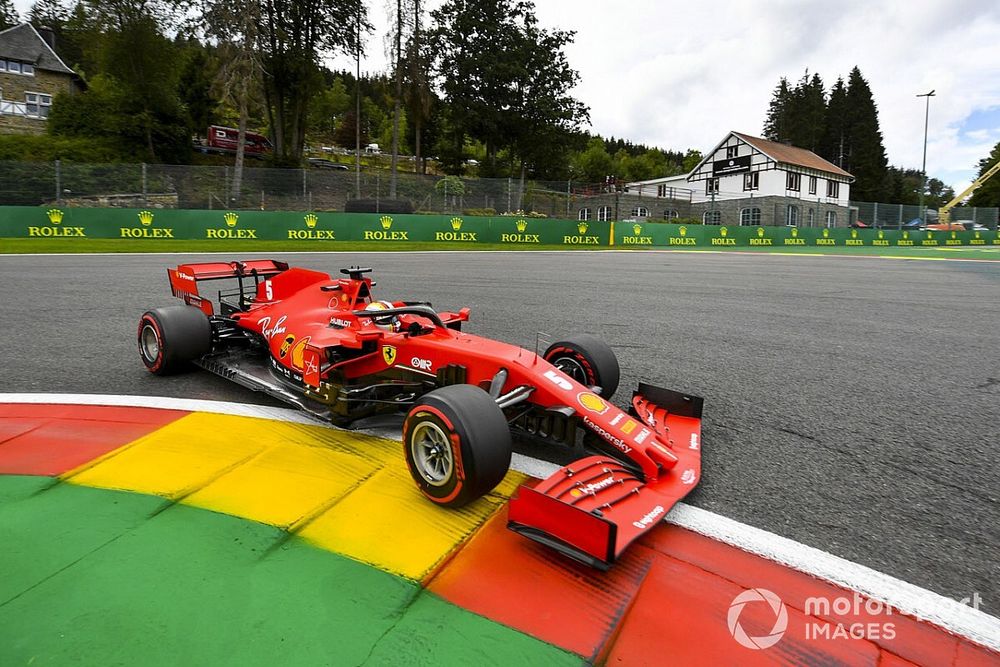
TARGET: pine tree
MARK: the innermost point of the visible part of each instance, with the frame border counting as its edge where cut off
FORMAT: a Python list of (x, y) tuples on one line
[(989, 193), (836, 140), (867, 159), (776, 124), (8, 14)]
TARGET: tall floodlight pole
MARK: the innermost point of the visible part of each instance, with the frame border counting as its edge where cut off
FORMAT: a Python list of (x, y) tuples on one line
[(923, 167)]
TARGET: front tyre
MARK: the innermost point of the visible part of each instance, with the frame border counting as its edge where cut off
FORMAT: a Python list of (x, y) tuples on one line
[(170, 338), (457, 444), (588, 360)]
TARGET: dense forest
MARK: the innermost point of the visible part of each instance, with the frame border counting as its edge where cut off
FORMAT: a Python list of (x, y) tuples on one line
[(478, 85)]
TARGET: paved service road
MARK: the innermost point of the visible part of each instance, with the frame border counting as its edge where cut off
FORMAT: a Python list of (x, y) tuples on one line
[(852, 404)]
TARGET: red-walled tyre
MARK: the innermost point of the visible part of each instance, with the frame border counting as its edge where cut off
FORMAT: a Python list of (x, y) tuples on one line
[(170, 338), (457, 444), (588, 360)]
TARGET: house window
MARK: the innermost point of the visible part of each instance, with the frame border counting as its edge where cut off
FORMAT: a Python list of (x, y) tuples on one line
[(749, 217), (793, 182), (584, 214), (27, 69), (732, 151), (13, 67), (664, 191), (38, 104), (831, 218), (832, 189), (810, 217), (670, 214), (751, 180), (792, 215), (812, 185), (640, 212), (712, 217), (712, 186), (604, 213)]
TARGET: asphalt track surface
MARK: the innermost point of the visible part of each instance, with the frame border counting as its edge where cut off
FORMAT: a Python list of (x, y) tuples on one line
[(852, 404)]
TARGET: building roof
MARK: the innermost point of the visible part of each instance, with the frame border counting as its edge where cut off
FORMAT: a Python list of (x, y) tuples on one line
[(22, 42), (786, 154)]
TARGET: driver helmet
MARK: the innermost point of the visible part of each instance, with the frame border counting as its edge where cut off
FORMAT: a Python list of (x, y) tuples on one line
[(390, 322)]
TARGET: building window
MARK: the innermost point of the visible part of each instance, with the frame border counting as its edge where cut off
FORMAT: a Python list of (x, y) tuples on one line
[(749, 217), (640, 212), (812, 185), (712, 186), (810, 217), (584, 214), (751, 180), (792, 215), (37, 104), (13, 67), (670, 214), (27, 69), (604, 213), (793, 182), (832, 189), (664, 191), (732, 151), (712, 217), (831, 218)]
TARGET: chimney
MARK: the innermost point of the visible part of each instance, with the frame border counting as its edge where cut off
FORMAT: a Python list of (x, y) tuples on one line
[(49, 35)]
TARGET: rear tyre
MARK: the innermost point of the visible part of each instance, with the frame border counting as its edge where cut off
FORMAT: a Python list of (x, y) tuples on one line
[(457, 444), (588, 360), (170, 338)]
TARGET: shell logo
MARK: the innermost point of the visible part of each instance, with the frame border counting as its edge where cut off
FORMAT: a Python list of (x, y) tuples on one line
[(311, 219), (145, 218), (582, 227), (385, 221), (521, 225), (456, 224), (55, 216), (298, 353), (592, 402), (231, 219)]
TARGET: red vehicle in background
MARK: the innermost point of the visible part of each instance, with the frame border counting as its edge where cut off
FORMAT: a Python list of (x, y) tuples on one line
[(225, 140)]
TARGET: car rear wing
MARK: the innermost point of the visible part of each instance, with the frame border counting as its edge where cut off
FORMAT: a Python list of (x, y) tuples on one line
[(185, 278)]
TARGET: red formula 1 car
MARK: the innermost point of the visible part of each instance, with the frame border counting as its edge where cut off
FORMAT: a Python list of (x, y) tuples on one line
[(328, 347)]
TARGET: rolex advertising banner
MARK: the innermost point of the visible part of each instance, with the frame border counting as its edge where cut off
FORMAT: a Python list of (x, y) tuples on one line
[(385, 230), (177, 224), (635, 234)]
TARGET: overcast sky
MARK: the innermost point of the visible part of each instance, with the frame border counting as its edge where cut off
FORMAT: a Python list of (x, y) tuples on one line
[(680, 76)]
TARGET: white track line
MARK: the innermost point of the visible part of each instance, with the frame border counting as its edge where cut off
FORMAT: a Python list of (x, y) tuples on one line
[(912, 600)]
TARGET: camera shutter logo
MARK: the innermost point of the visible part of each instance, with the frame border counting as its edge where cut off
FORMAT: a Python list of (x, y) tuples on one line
[(780, 620)]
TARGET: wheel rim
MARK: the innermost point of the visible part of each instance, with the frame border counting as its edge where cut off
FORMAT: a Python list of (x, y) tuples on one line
[(572, 368), (149, 343), (432, 455)]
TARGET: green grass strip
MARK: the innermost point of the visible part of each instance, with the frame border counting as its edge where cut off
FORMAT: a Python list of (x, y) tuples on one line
[(99, 577)]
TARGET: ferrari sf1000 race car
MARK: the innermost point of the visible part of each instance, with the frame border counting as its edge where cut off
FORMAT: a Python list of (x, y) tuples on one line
[(327, 346)]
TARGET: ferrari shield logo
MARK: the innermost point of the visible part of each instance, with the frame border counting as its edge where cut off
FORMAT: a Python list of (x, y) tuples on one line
[(389, 354)]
